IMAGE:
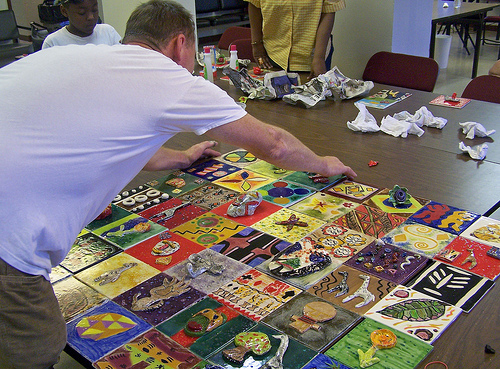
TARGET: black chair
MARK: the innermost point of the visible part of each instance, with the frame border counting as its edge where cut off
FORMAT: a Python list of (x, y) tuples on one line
[(410, 71), (10, 44), (484, 88)]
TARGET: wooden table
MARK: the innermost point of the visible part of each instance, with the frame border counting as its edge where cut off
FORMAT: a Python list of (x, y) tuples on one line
[(430, 166), (474, 12)]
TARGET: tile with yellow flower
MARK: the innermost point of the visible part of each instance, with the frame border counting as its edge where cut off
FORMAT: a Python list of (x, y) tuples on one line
[(324, 206)]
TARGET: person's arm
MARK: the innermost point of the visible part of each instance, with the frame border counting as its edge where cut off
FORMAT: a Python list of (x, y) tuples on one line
[(258, 49), (323, 33), (495, 69), (277, 147), (166, 158)]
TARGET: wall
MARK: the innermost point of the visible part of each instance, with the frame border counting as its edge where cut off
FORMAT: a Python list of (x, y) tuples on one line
[(3, 5)]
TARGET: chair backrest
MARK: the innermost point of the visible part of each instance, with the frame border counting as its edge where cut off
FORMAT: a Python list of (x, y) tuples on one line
[(8, 26), (244, 48), (231, 34), (484, 88), (410, 71)]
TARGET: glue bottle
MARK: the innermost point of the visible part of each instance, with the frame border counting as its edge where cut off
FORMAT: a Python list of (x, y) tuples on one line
[(207, 60), (233, 60)]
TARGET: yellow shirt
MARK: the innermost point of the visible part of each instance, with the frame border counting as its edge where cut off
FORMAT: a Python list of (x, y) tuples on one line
[(289, 29)]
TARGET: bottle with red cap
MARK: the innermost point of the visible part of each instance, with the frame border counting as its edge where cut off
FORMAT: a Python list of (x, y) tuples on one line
[(233, 60), (207, 61)]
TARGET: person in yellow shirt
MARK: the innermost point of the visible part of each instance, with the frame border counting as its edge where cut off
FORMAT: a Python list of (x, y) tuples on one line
[(293, 35)]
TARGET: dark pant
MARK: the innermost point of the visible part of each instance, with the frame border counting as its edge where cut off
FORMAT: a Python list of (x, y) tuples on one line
[(32, 328)]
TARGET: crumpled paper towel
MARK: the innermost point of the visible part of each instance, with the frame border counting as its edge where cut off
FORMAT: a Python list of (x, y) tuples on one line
[(364, 122), (472, 129), (477, 152), (396, 128), (422, 117)]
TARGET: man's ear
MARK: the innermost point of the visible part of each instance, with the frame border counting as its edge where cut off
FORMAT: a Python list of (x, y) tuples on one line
[(176, 47), (64, 11)]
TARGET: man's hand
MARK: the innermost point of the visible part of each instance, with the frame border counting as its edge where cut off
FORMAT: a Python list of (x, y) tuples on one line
[(200, 151)]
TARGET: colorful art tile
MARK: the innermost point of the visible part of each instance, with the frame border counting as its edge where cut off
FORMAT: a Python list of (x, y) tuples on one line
[(137, 353), (164, 250), (323, 206), (211, 170), (453, 285), (212, 340), (209, 280), (344, 287), (75, 297), (407, 353), (291, 233), (284, 193), (129, 231), (313, 180), (138, 201), (485, 230), (444, 217), (243, 181), (116, 275), (240, 158), (86, 251), (208, 229), (419, 238), (183, 213), (388, 262), (159, 298), (318, 334), (353, 190), (414, 313), (103, 329), (321, 361), (470, 255), (209, 196), (58, 273), (263, 210), (371, 221), (127, 193), (250, 246), (255, 294), (117, 213), (268, 169), (381, 201), (177, 183), (295, 356)]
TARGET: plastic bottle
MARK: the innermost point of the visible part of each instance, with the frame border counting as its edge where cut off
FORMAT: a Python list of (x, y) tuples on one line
[(458, 3), (207, 60), (233, 60)]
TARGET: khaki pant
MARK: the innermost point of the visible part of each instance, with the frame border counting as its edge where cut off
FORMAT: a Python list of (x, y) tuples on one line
[(32, 328)]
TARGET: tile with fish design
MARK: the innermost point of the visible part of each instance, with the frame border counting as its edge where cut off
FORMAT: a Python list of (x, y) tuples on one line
[(255, 294), (470, 255), (208, 270), (208, 229), (288, 225), (117, 213), (164, 250), (103, 329), (209, 196), (172, 213), (354, 191), (87, 250), (138, 353), (444, 217), (485, 230), (177, 183), (313, 180), (453, 285), (388, 262), (281, 349), (159, 298), (268, 169), (129, 231), (323, 206), (117, 274), (371, 221), (262, 211), (206, 326), (351, 289), (75, 297), (414, 313), (312, 321), (407, 352), (211, 170), (250, 246), (381, 201), (284, 193), (243, 181), (419, 238), (239, 157)]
